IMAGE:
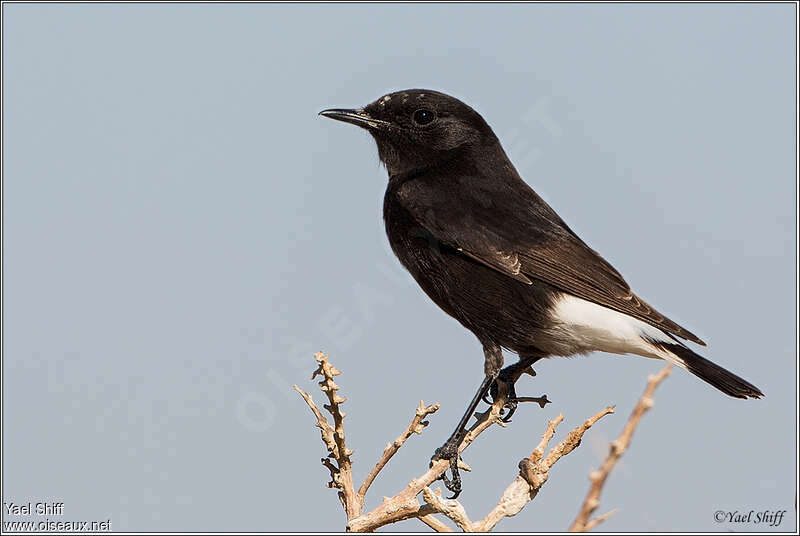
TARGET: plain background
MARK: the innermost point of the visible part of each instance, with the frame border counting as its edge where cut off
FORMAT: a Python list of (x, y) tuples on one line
[(182, 232)]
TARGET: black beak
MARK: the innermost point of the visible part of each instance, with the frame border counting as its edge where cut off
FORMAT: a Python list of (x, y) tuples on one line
[(356, 117)]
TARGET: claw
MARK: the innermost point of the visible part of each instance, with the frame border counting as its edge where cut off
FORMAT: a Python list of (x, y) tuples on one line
[(455, 484), (509, 375), (449, 451), (512, 407)]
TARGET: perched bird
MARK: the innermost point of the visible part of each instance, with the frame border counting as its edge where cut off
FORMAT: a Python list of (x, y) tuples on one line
[(494, 256)]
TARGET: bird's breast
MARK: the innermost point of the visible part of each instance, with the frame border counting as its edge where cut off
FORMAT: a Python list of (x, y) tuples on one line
[(416, 248)]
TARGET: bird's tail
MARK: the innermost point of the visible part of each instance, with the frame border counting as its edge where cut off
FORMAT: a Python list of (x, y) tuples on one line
[(724, 380)]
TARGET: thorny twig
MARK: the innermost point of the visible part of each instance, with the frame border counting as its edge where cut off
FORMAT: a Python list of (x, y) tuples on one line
[(533, 470)]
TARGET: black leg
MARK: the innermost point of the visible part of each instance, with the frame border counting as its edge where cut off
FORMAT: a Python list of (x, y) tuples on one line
[(449, 451)]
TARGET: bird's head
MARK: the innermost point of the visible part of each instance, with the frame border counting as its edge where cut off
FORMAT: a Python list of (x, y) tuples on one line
[(417, 128)]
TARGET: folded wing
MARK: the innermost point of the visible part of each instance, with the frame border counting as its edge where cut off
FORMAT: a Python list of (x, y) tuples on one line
[(524, 239)]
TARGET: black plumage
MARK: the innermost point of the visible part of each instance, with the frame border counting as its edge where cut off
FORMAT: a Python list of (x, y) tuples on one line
[(494, 256)]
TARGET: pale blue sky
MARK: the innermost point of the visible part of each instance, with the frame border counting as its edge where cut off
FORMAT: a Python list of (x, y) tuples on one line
[(182, 232)]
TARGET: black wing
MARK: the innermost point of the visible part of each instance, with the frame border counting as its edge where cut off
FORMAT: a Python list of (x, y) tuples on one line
[(524, 238)]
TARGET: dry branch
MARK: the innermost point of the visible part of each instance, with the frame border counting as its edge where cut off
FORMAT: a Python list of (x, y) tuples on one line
[(333, 436), (616, 450), (599, 519), (433, 522), (533, 470), (418, 423), (404, 505)]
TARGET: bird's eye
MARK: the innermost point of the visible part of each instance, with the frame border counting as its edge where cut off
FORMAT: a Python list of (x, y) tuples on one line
[(423, 117)]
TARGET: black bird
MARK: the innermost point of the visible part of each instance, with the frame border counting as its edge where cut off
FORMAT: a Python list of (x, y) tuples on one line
[(494, 256)]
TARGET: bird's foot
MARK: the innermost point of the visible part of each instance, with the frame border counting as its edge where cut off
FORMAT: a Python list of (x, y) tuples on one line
[(509, 376), (449, 451)]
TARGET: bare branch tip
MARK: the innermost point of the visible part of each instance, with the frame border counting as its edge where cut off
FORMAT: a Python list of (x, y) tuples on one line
[(599, 519)]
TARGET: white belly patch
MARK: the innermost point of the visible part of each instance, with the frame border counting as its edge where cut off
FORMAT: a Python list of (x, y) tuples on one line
[(582, 326)]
